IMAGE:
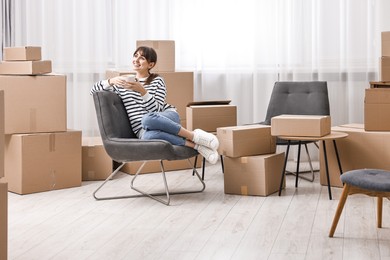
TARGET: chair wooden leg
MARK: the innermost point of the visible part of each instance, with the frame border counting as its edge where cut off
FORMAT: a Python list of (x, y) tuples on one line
[(379, 213), (339, 210)]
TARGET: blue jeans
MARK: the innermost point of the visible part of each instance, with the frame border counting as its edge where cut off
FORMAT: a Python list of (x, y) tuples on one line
[(162, 125)]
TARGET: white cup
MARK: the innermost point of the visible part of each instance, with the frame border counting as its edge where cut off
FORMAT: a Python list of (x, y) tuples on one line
[(130, 78)]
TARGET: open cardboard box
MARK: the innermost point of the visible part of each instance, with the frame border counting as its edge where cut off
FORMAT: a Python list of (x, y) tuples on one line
[(209, 115)]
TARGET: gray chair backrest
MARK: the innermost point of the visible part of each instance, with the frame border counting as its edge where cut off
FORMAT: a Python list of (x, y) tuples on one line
[(111, 116), (298, 98)]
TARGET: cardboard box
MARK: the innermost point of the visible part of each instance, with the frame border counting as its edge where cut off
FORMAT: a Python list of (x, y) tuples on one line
[(385, 43), (34, 103), (22, 53), (3, 221), (361, 149), (154, 166), (380, 84), (385, 69), (180, 90), (300, 125), (25, 67), (96, 163), (210, 117), (165, 53), (254, 175), (43, 161), (377, 109), (2, 133), (247, 140), (180, 87)]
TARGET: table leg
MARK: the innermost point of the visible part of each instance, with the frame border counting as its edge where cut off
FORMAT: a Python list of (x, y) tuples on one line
[(203, 167), (223, 167), (327, 169), (337, 156), (284, 168), (299, 159)]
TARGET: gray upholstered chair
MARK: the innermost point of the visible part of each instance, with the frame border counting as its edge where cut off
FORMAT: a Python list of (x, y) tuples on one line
[(372, 182), (298, 98), (123, 146)]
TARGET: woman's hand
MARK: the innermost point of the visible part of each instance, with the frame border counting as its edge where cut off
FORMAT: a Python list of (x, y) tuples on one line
[(119, 81), (134, 86)]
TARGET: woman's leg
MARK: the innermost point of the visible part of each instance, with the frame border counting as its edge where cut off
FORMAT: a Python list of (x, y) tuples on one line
[(157, 134), (166, 126), (167, 121)]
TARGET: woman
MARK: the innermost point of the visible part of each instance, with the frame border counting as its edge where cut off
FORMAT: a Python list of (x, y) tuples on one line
[(149, 114)]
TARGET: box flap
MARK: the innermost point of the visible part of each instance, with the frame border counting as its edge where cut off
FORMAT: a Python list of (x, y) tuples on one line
[(379, 84)]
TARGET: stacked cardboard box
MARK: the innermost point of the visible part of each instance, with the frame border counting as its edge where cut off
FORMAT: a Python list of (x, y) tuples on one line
[(209, 115), (180, 89), (385, 57), (377, 97), (3, 188), (251, 164), (96, 163), (3, 220), (377, 107), (41, 154), (361, 149), (300, 125), (367, 144)]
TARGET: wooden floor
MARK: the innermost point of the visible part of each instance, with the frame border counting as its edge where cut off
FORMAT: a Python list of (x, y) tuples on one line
[(70, 224)]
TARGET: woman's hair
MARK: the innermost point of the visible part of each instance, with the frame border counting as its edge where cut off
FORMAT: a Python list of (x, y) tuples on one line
[(151, 56)]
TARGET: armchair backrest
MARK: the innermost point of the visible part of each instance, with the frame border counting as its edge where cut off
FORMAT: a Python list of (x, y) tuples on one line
[(298, 98), (111, 116)]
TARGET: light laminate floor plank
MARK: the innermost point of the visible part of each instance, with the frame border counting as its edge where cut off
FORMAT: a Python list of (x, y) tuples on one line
[(71, 224)]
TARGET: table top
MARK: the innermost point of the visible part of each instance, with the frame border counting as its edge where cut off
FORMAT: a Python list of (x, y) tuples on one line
[(333, 135)]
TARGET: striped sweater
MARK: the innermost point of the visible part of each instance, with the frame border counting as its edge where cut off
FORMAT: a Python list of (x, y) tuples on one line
[(137, 105)]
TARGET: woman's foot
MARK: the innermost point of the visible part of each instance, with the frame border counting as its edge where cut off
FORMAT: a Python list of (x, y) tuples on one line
[(210, 155), (205, 139)]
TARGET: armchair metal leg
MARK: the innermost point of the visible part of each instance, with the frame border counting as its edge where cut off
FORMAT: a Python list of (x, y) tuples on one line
[(167, 193)]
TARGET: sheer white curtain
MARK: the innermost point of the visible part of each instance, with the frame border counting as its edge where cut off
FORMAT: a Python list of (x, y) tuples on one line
[(237, 49)]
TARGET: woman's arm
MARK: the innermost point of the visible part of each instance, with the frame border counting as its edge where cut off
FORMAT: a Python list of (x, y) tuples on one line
[(155, 98), (107, 84)]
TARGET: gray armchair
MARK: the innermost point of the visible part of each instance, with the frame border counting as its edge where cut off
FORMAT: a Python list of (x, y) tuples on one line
[(298, 98), (123, 146)]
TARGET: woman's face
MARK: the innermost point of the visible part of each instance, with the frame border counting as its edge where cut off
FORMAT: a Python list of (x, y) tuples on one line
[(140, 64)]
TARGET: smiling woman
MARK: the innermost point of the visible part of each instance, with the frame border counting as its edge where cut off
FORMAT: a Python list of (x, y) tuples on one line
[(237, 50), (150, 116)]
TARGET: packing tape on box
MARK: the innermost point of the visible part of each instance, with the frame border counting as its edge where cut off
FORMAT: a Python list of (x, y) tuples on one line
[(53, 179), (244, 190), (244, 159), (91, 175), (52, 142)]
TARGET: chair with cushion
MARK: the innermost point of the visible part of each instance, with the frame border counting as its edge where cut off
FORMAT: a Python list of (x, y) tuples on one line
[(123, 146), (372, 182), (298, 98)]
